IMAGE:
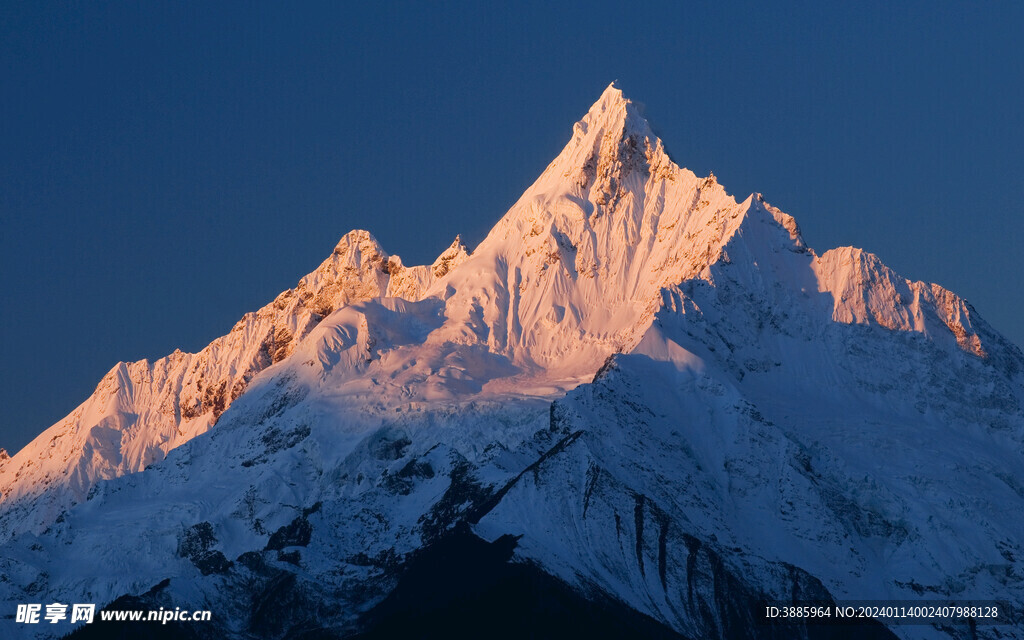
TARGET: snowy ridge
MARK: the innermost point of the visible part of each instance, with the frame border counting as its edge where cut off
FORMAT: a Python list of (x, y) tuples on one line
[(866, 291), (662, 393), (141, 410)]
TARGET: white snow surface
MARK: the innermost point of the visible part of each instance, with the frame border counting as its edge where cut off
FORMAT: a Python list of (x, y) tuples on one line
[(764, 417)]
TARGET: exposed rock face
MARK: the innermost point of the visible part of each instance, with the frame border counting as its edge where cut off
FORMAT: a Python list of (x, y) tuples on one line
[(411, 282)]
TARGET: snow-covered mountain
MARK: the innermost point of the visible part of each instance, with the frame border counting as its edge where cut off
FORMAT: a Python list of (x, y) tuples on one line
[(644, 393), (141, 410)]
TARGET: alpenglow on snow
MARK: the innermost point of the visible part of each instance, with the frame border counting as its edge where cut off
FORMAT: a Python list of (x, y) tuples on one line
[(637, 398)]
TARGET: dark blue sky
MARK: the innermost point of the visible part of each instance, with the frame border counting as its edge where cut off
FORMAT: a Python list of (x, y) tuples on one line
[(166, 168)]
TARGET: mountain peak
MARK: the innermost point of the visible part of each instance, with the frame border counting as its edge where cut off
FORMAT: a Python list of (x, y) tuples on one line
[(356, 238), (450, 258), (612, 93), (614, 112), (611, 97)]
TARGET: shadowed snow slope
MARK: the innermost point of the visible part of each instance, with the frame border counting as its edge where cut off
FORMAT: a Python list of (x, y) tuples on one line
[(764, 424)]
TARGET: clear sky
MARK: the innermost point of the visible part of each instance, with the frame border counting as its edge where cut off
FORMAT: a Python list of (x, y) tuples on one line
[(165, 167)]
